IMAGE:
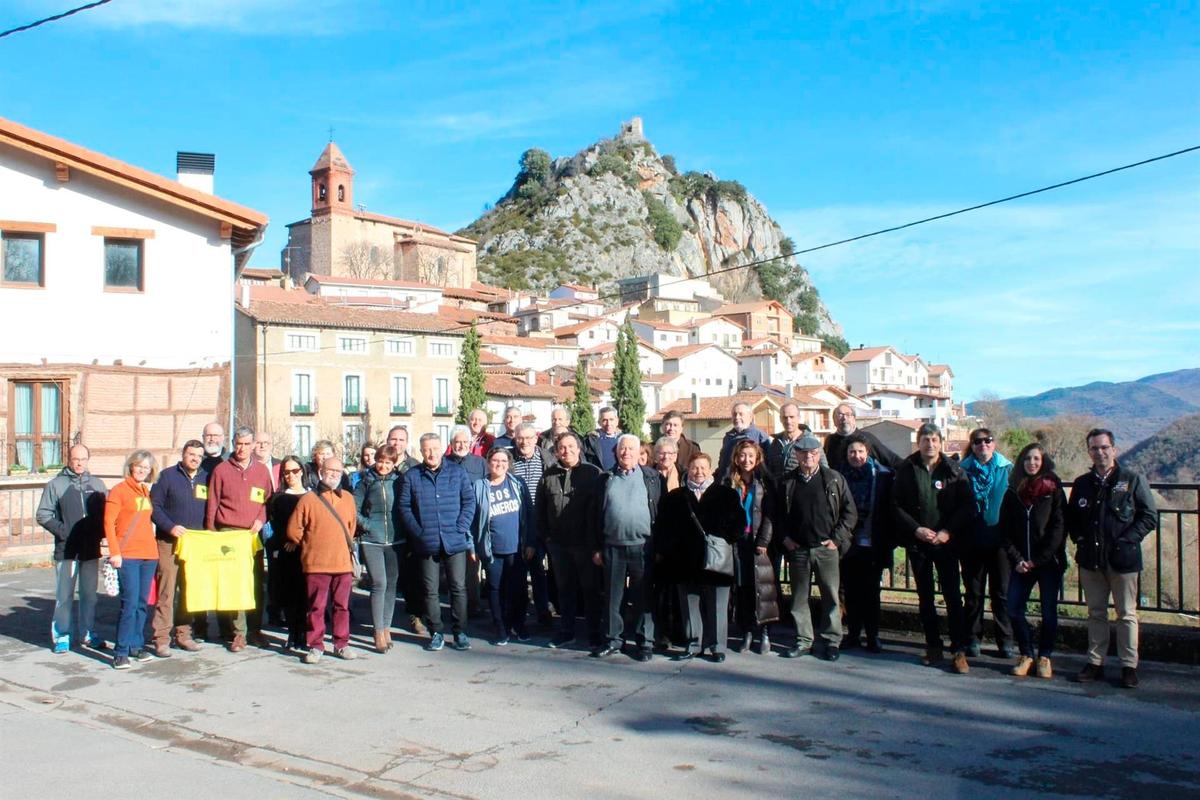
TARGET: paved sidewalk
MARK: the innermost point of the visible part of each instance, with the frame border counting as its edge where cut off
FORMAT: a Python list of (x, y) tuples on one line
[(528, 722)]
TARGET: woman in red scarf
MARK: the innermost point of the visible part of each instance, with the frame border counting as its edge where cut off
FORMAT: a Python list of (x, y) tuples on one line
[(1031, 519)]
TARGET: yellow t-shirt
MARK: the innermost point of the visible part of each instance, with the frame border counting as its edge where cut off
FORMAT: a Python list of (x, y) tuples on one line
[(218, 569)]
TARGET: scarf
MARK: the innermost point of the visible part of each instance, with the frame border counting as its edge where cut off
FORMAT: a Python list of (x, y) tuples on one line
[(1036, 487), (748, 506), (699, 488), (982, 476)]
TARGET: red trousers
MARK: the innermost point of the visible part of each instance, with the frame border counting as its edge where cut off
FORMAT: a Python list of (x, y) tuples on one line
[(320, 587)]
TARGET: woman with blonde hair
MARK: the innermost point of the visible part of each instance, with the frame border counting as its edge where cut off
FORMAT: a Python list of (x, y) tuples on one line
[(133, 551)]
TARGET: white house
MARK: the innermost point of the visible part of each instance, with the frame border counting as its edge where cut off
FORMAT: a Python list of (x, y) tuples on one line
[(650, 358), (421, 298), (536, 400), (709, 370), (906, 404), (715, 330), (806, 344), (872, 368), (117, 289), (660, 334), (530, 352), (588, 333), (818, 369), (764, 364)]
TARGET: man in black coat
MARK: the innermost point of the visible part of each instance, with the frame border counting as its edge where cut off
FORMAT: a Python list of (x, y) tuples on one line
[(846, 422), (931, 505), (815, 515), (1111, 510), (565, 509)]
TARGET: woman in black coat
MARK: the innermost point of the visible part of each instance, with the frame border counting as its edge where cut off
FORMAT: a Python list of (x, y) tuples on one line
[(871, 543), (756, 600), (1031, 520), (285, 578), (699, 507)]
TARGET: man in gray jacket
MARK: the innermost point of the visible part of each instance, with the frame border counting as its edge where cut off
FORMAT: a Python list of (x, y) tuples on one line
[(72, 508)]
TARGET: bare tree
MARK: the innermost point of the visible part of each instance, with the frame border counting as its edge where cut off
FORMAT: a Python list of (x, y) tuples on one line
[(361, 259)]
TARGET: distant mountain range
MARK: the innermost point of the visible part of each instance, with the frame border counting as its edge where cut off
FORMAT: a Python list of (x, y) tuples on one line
[(1133, 410), (1171, 454)]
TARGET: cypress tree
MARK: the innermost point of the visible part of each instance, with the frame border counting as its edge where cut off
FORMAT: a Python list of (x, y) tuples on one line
[(471, 391), (580, 407), (627, 382)]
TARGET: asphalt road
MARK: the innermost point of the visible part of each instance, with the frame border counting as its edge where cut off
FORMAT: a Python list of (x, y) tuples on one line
[(527, 722)]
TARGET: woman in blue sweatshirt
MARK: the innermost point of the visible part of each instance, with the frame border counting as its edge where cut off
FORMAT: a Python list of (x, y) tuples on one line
[(503, 526)]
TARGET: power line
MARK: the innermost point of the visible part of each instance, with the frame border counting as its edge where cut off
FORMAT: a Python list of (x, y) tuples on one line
[(54, 18), (827, 245)]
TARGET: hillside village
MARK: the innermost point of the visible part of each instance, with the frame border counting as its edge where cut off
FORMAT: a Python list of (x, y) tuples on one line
[(359, 327)]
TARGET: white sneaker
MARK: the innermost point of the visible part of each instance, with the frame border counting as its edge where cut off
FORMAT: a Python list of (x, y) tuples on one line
[(313, 655), (345, 653)]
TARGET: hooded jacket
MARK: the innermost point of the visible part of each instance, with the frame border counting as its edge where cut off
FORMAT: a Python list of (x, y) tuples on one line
[(72, 508)]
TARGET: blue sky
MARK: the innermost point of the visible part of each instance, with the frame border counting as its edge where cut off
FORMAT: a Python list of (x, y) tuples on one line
[(840, 118)]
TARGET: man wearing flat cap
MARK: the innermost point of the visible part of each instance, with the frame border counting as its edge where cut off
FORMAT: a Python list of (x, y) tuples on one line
[(816, 517)]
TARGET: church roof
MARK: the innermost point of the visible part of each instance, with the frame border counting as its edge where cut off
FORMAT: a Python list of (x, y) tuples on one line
[(332, 158)]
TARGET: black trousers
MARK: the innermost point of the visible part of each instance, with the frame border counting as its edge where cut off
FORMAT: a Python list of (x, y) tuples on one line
[(429, 569), (990, 569), (862, 570), (922, 561), (576, 578), (629, 563)]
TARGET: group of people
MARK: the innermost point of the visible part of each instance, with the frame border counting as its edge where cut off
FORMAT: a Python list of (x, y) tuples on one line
[(658, 547)]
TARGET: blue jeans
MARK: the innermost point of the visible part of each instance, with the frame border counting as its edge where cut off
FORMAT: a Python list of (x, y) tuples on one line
[(506, 591), (1047, 578), (136, 575)]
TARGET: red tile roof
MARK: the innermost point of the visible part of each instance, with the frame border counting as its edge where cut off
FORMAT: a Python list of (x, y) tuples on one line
[(381, 283), (718, 407), (504, 386), (539, 343), (864, 353), (317, 312), (685, 350), (748, 308)]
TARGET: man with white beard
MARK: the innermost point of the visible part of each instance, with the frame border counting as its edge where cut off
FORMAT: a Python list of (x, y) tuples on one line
[(213, 440)]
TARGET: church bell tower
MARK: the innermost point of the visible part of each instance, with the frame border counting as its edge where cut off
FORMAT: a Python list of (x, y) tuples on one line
[(332, 182)]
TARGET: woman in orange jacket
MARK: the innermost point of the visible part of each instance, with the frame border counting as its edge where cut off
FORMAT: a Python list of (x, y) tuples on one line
[(133, 551)]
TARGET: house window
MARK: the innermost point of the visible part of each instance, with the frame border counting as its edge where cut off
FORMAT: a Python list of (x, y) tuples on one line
[(302, 394), (300, 341), (123, 264), (22, 257), (443, 432), (887, 359), (400, 399), (441, 349), (354, 345), (353, 435), (399, 347), (36, 420), (302, 436), (441, 395), (352, 396)]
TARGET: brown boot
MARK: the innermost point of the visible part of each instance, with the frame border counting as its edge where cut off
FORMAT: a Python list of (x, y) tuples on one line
[(162, 649), (238, 644), (1043, 668), (959, 664), (186, 643), (1024, 664)]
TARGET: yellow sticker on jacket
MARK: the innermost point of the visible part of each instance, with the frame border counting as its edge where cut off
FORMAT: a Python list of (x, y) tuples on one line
[(143, 503), (201, 492), (257, 495)]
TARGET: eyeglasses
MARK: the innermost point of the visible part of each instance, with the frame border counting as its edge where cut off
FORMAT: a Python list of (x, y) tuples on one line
[(292, 471), (983, 440)]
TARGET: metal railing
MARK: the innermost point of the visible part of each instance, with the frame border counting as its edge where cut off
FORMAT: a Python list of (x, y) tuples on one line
[(20, 534), (1171, 568)]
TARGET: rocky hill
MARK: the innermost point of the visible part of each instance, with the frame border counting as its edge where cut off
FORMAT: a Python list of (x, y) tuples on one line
[(618, 209), (1132, 409), (1170, 455)]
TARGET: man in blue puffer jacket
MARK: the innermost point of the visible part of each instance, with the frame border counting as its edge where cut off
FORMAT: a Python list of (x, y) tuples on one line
[(437, 504)]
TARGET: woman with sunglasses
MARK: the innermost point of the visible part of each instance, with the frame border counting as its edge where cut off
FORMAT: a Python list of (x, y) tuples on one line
[(982, 554), (285, 578)]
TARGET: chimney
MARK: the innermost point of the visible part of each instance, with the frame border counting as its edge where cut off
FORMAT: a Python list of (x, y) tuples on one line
[(530, 377), (195, 170), (695, 404), (790, 390), (245, 295)]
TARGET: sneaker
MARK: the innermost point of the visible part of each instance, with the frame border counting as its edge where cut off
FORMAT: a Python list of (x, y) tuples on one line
[(461, 642), (121, 662), (1129, 678), (563, 640), (959, 664), (141, 656), (973, 649), (62, 646), (238, 644), (501, 639), (520, 634), (931, 656), (436, 642), (313, 655), (345, 653), (1090, 672), (1043, 668), (1022, 667)]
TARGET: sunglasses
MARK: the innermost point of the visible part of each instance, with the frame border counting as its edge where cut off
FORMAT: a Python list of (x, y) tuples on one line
[(983, 440), (292, 471)]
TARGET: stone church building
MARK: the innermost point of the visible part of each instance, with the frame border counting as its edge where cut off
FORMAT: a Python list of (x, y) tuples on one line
[(344, 241)]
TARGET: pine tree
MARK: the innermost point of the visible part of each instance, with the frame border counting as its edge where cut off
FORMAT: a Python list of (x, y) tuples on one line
[(471, 392), (627, 382), (580, 407)]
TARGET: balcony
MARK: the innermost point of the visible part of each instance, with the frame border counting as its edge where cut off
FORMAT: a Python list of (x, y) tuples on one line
[(303, 409), (399, 410), (442, 409), (351, 409)]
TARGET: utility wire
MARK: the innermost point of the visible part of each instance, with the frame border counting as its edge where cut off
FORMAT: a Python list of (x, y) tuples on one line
[(54, 18), (814, 249)]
